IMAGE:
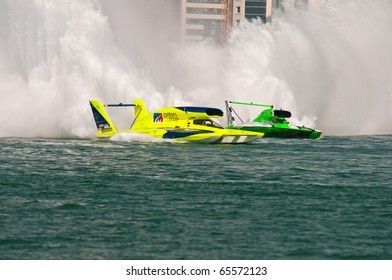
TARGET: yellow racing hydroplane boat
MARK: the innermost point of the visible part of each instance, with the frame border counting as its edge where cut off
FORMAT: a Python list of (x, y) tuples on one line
[(192, 124)]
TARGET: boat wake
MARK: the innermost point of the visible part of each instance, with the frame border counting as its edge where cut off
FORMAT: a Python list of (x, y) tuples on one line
[(138, 137)]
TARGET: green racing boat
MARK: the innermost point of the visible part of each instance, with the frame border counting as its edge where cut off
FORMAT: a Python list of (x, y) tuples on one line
[(273, 123)]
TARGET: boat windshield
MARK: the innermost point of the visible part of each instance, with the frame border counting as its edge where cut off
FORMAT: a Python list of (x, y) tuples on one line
[(207, 123)]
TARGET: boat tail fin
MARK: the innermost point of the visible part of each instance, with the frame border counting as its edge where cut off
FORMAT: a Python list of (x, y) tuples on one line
[(102, 120), (140, 109), (265, 116)]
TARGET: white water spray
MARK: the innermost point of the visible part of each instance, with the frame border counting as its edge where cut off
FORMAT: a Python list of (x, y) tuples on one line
[(331, 67)]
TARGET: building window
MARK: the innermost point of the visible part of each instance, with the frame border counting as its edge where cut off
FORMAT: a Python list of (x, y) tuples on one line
[(204, 1), (256, 9), (256, 4), (204, 11), (201, 21), (238, 9)]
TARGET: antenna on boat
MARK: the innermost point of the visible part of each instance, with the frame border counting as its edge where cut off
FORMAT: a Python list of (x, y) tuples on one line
[(230, 118), (251, 104), (231, 110)]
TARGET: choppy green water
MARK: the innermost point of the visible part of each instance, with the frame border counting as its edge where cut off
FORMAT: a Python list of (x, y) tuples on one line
[(278, 199)]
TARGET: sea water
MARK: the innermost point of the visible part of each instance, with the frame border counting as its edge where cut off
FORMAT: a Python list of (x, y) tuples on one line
[(273, 199), (65, 195)]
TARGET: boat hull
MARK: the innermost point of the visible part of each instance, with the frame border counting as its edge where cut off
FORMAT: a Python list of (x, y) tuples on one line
[(284, 132), (272, 123), (194, 136)]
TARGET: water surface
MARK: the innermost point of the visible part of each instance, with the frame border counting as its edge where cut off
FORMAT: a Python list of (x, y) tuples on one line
[(275, 199)]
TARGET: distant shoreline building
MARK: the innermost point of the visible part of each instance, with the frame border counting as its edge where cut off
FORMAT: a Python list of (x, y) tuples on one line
[(201, 19), (212, 19)]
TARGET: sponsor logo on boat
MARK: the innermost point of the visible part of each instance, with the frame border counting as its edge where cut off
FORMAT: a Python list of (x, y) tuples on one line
[(172, 117), (158, 117)]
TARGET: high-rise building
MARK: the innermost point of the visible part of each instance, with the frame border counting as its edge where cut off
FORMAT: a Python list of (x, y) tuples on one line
[(202, 19)]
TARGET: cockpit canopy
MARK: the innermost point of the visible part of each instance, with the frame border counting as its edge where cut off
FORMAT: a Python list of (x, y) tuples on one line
[(206, 122), (210, 112), (282, 113)]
